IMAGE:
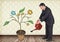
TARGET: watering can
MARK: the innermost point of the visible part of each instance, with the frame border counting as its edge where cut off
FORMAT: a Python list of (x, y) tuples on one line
[(38, 26)]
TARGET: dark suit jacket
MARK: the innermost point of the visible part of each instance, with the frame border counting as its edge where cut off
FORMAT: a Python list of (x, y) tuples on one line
[(47, 16)]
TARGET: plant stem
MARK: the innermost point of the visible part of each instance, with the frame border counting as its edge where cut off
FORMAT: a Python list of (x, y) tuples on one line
[(21, 20), (18, 20)]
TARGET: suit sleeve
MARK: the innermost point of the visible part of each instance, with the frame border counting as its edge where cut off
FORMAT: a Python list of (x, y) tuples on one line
[(41, 15), (45, 16)]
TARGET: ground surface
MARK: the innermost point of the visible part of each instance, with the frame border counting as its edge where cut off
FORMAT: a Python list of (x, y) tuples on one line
[(27, 39)]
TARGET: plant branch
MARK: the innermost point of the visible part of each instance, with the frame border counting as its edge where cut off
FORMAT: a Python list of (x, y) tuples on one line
[(22, 18), (13, 17), (16, 21)]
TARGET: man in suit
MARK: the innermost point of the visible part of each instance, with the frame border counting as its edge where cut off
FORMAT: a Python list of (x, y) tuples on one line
[(47, 16)]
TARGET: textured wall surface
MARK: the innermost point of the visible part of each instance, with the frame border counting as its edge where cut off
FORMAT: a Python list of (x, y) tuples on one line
[(6, 6)]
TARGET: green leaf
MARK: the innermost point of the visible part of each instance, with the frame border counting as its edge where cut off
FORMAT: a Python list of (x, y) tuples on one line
[(30, 21), (22, 10), (7, 22)]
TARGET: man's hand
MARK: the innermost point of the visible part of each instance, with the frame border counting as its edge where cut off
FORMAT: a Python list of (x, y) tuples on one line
[(40, 20)]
